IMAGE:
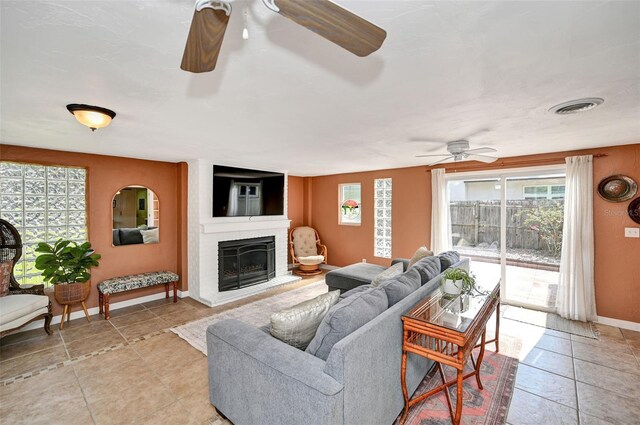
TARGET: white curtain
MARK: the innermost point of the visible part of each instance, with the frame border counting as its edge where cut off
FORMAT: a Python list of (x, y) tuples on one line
[(232, 206), (440, 227), (576, 292)]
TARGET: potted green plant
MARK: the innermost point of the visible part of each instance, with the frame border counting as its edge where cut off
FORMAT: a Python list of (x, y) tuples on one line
[(66, 265), (456, 281)]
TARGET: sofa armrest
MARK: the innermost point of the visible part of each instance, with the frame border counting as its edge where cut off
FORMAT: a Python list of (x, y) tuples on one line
[(404, 261), (254, 376)]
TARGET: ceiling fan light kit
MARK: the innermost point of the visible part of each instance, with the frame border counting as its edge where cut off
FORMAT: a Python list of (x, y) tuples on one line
[(323, 17)]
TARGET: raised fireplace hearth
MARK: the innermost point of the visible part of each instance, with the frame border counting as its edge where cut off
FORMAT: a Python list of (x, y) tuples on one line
[(245, 262)]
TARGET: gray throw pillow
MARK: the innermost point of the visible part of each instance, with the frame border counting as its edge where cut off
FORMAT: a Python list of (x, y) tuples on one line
[(447, 259), (354, 291), (297, 325), (346, 317), (400, 286), (130, 236), (428, 267), (392, 271)]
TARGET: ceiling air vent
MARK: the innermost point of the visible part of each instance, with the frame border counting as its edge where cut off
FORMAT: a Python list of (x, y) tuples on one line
[(576, 106)]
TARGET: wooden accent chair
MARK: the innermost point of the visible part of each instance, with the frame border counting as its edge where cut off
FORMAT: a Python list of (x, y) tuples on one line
[(11, 250), (307, 252)]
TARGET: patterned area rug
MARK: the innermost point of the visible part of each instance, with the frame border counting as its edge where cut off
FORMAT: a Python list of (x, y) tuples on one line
[(480, 407), (257, 313)]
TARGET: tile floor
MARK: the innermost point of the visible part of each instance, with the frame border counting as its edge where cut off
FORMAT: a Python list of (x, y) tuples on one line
[(130, 370)]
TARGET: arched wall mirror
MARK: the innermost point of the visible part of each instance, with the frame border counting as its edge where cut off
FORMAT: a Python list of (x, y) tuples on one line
[(136, 216)]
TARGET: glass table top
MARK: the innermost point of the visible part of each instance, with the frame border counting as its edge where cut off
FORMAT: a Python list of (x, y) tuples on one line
[(455, 313)]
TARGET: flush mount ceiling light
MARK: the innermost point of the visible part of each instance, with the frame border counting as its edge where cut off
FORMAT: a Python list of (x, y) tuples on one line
[(576, 106), (91, 116)]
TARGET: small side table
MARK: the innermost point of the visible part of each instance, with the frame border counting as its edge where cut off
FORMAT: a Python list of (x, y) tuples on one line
[(446, 331)]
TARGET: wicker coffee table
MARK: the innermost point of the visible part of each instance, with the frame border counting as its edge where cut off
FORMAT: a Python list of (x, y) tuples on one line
[(446, 331)]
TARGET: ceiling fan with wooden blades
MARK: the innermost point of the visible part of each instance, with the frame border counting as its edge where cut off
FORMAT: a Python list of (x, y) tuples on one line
[(325, 18), (459, 151)]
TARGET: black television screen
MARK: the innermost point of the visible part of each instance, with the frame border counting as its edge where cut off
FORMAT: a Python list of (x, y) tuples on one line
[(243, 192)]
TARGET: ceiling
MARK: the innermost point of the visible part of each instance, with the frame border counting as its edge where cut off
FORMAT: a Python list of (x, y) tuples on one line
[(288, 100)]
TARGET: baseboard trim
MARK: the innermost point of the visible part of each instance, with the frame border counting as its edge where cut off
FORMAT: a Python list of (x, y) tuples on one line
[(624, 324), (95, 310)]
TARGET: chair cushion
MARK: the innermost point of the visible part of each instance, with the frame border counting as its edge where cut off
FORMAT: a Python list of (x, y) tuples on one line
[(345, 317), (5, 277), (311, 260), (297, 325), (420, 253), (428, 267), (392, 271), (15, 307), (304, 242), (399, 287), (447, 259)]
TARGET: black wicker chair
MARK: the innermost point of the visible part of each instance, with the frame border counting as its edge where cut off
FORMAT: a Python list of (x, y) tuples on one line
[(11, 249)]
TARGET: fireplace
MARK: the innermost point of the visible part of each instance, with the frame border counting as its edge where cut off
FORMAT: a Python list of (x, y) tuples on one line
[(245, 262)]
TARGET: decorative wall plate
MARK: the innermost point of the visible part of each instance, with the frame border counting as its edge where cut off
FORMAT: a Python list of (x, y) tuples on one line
[(617, 188), (634, 210)]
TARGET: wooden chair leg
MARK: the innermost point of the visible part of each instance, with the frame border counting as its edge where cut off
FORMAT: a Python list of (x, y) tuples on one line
[(86, 313), (47, 321), (175, 292), (106, 306), (64, 314)]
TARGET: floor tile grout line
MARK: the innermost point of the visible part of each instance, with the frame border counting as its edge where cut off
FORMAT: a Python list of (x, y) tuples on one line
[(575, 381), (543, 397)]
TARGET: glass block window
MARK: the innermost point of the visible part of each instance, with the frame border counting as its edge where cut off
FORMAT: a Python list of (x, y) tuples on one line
[(382, 219), (349, 204), (45, 203)]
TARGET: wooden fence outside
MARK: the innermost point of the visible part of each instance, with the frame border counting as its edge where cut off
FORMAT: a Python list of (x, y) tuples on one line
[(478, 222)]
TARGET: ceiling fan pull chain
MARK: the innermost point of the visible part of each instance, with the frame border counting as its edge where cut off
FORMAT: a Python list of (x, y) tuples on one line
[(271, 4), (224, 5)]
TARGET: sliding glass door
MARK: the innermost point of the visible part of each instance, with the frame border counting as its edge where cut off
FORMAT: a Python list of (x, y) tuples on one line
[(510, 225)]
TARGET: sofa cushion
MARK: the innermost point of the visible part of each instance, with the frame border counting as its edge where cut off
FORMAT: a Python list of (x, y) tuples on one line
[(392, 271), (14, 307), (399, 287), (420, 253), (345, 317), (130, 236), (116, 237), (151, 235), (447, 259), (297, 325), (428, 267), (355, 291), (349, 277)]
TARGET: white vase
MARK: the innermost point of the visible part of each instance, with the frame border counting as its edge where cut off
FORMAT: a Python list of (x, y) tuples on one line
[(452, 287)]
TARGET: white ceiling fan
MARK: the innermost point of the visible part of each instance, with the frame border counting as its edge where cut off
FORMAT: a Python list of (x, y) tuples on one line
[(459, 150)]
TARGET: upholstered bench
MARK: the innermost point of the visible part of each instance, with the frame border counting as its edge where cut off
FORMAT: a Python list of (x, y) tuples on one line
[(121, 284)]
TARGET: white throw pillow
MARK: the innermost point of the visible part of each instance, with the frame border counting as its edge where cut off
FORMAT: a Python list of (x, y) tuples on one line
[(422, 252), (392, 271), (150, 236)]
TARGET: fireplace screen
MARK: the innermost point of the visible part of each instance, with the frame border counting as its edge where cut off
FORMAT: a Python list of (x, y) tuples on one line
[(245, 262)]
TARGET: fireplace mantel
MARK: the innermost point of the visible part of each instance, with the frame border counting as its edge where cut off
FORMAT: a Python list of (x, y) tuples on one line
[(248, 224)]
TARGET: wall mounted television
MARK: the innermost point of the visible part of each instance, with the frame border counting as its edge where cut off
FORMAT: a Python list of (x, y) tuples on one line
[(241, 192)]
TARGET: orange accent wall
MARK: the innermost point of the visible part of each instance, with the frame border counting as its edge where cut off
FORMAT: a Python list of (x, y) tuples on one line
[(617, 259), (105, 176), (295, 200)]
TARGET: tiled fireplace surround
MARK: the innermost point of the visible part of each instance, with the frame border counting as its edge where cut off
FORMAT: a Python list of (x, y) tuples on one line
[(206, 231)]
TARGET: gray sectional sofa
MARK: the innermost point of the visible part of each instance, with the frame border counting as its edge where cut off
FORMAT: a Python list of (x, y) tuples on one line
[(257, 379)]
